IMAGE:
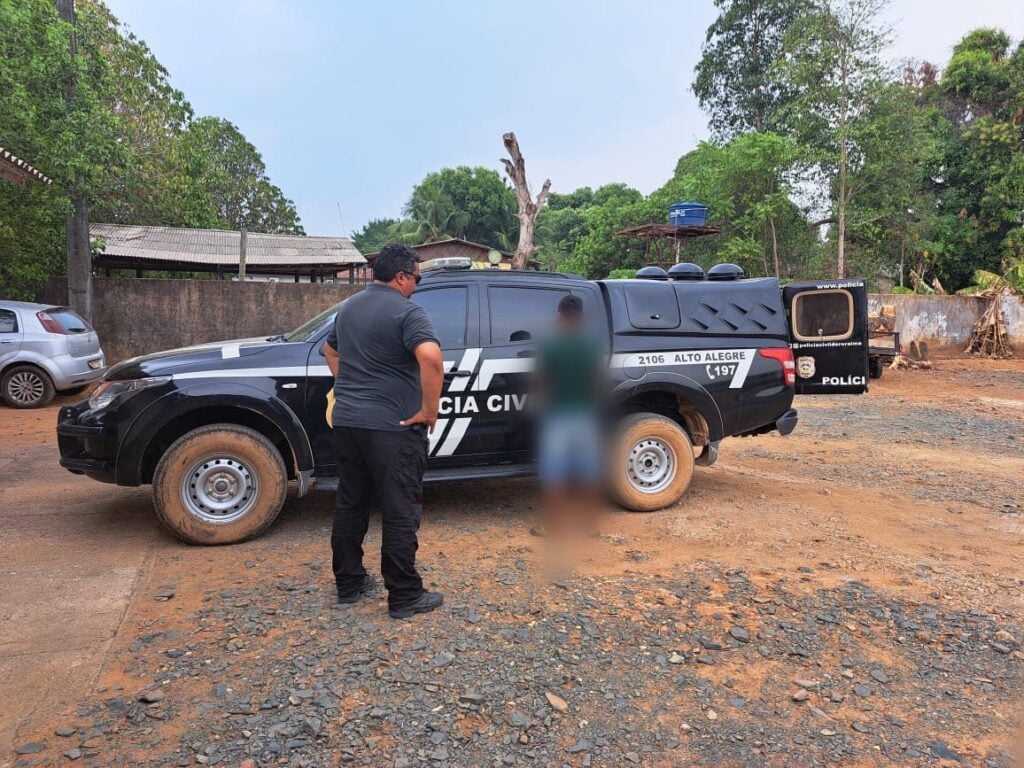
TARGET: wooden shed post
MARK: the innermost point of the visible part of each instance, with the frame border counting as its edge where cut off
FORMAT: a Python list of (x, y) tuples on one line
[(241, 256)]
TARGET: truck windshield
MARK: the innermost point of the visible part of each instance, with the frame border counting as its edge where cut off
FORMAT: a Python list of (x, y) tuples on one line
[(309, 328)]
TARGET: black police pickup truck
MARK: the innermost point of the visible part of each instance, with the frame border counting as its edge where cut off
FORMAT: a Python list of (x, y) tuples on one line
[(219, 430)]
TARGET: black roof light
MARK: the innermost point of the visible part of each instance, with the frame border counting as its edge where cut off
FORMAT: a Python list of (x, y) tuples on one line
[(685, 271), (651, 273), (726, 272)]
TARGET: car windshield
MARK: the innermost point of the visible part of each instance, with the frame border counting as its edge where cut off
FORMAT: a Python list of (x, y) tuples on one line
[(309, 328)]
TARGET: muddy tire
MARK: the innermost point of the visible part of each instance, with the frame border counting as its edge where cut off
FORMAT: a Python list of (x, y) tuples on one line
[(219, 484), (652, 462), (25, 386)]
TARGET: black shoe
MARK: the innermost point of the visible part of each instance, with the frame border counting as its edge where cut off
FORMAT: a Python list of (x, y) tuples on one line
[(425, 603), (365, 588)]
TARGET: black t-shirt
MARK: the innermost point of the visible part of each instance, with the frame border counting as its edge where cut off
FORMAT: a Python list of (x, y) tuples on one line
[(376, 333)]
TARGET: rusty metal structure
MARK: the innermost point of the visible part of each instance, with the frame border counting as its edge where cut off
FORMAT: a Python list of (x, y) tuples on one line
[(664, 243)]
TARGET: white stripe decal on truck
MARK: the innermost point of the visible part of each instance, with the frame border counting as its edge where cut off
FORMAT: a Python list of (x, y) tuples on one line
[(717, 363)]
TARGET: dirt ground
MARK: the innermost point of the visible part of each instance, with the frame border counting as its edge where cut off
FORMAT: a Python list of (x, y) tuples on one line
[(852, 594)]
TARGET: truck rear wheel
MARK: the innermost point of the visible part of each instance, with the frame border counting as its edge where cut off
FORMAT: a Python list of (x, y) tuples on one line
[(219, 484), (652, 462), (875, 367)]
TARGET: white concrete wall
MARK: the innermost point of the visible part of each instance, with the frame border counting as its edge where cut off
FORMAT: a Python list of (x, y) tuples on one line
[(947, 320)]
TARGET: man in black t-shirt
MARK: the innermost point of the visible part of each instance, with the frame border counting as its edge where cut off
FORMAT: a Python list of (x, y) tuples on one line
[(388, 371)]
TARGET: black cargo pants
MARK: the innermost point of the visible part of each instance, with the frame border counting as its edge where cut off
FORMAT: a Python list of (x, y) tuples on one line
[(385, 469)]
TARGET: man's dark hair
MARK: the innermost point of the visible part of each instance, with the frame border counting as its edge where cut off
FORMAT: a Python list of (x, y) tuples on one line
[(571, 307), (392, 259)]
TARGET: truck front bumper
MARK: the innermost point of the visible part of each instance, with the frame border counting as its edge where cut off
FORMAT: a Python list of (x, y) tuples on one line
[(85, 448), (786, 423)]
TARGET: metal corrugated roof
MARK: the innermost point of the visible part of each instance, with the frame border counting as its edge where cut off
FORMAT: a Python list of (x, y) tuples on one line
[(220, 247), (18, 171)]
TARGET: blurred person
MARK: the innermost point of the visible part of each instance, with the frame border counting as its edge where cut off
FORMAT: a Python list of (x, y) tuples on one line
[(388, 370), (568, 385)]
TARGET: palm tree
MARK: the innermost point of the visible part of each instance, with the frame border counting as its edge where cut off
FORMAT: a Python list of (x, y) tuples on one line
[(434, 216)]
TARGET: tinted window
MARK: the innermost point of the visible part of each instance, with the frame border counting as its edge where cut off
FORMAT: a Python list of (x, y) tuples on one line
[(823, 315), (8, 321), (69, 320), (447, 308), (311, 326), (522, 314)]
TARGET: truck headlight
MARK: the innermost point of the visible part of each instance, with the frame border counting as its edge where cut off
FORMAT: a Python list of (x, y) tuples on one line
[(109, 391)]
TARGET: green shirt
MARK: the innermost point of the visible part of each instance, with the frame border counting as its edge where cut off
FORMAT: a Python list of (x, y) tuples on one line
[(569, 367)]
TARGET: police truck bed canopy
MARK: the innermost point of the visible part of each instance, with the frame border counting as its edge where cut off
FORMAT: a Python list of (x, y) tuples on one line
[(736, 307)]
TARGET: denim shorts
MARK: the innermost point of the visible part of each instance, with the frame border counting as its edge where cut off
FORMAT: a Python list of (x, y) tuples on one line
[(570, 448)]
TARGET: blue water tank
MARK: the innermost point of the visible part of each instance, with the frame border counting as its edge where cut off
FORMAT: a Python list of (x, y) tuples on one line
[(688, 214)]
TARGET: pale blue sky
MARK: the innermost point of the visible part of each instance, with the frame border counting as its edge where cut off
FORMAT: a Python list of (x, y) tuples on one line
[(354, 102)]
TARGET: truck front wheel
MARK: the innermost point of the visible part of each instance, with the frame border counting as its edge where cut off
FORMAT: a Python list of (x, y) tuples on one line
[(652, 462), (219, 484)]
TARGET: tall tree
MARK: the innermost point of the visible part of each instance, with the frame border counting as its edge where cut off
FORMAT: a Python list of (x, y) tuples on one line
[(981, 194), (71, 139), (745, 184), (232, 172), (471, 203), (433, 215), (833, 58), (736, 82)]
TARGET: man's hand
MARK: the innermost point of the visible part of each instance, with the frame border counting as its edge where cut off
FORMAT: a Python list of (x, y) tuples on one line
[(331, 355), (428, 355), (421, 417)]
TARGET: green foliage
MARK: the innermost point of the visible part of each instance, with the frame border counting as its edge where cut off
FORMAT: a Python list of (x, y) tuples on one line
[(470, 203), (124, 134), (735, 79), (229, 168), (621, 274), (372, 237)]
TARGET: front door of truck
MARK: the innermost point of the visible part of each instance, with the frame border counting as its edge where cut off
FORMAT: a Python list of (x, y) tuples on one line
[(828, 330)]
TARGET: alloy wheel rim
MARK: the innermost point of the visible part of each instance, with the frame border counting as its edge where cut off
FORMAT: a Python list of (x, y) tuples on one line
[(651, 465), (219, 489), (26, 387)]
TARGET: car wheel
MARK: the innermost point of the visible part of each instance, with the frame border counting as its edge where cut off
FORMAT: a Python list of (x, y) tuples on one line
[(875, 367), (652, 462), (25, 386), (219, 484)]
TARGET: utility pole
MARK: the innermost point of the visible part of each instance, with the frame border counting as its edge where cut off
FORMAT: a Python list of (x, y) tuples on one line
[(241, 256), (77, 220)]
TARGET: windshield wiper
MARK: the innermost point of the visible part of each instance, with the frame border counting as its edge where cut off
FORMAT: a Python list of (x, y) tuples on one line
[(279, 337)]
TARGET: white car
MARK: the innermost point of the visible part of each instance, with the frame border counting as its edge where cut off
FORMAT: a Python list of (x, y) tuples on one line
[(45, 350)]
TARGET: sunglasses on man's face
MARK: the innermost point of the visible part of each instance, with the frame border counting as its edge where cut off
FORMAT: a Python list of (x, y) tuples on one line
[(414, 276)]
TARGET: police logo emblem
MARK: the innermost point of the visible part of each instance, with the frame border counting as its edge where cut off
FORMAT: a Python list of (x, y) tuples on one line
[(805, 367)]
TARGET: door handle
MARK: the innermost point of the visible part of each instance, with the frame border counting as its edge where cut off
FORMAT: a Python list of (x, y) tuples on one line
[(457, 374), (6, 341)]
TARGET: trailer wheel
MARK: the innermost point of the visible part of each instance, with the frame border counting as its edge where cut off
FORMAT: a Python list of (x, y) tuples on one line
[(219, 484), (652, 462), (875, 367)]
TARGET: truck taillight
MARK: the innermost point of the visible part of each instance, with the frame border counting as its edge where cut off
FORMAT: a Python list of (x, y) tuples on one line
[(49, 324), (784, 356)]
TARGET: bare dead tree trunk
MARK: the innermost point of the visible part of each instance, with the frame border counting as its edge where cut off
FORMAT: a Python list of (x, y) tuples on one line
[(528, 207)]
